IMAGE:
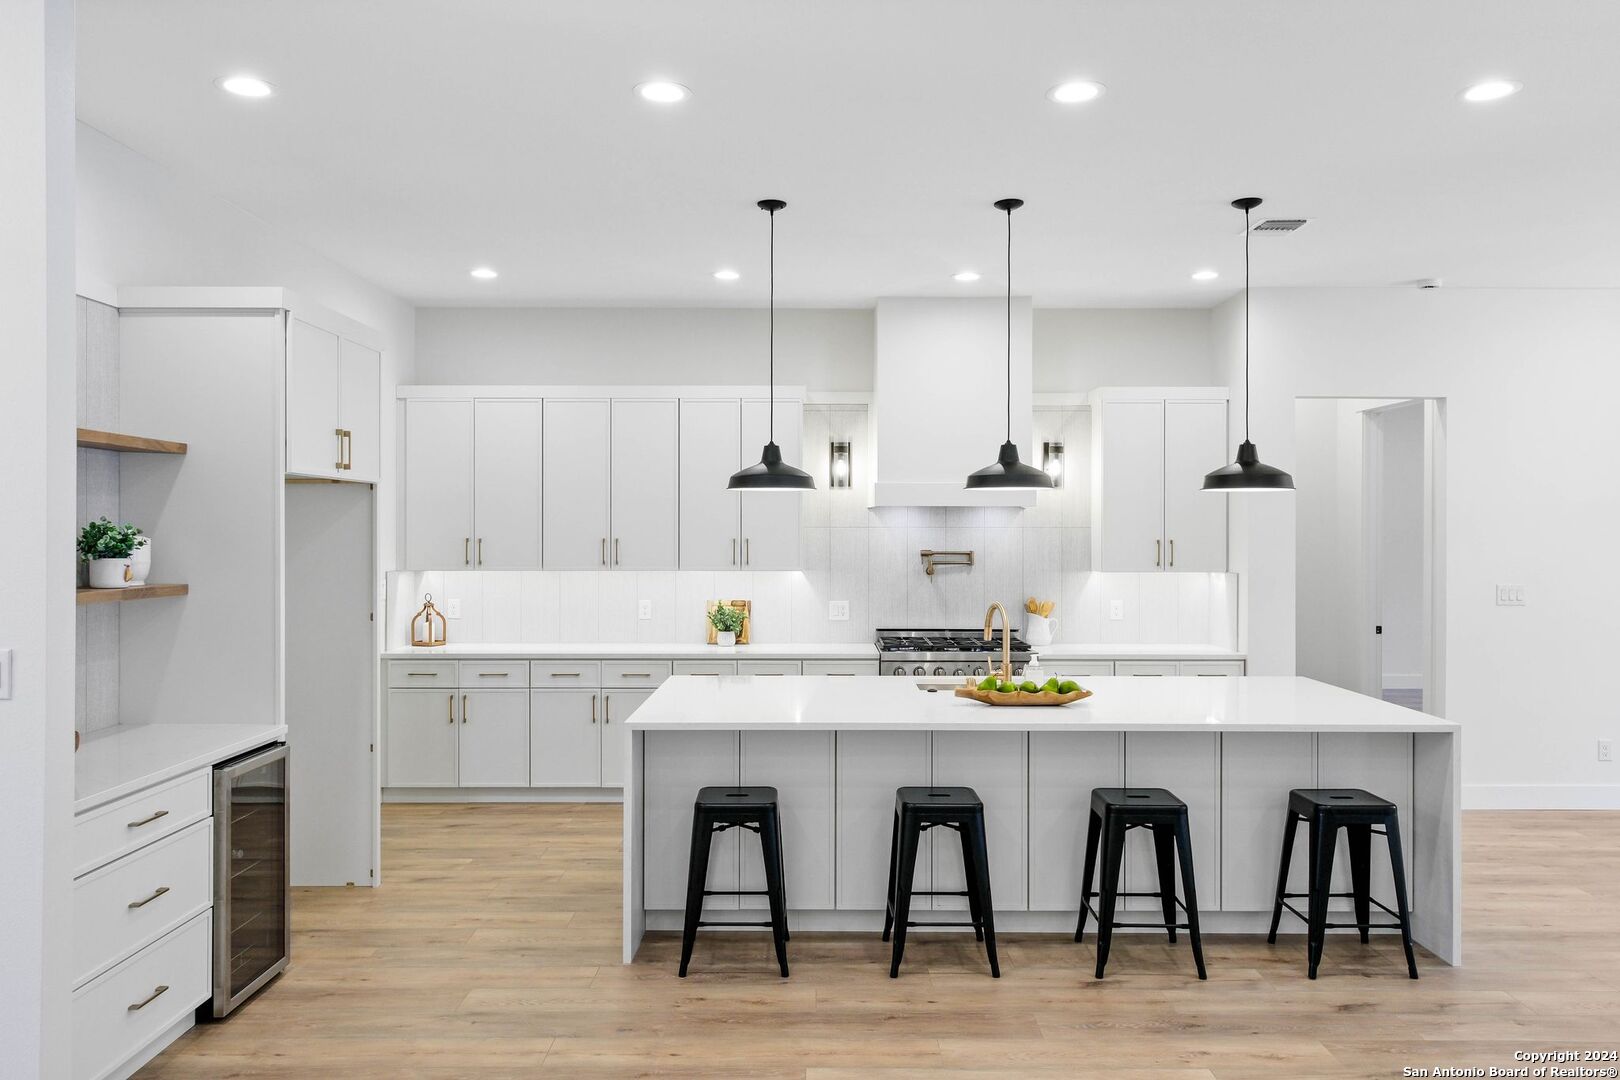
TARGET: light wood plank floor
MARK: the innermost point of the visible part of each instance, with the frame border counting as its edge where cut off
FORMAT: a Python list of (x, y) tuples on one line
[(493, 951)]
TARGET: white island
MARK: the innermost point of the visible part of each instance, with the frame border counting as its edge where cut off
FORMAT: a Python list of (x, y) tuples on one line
[(837, 748)]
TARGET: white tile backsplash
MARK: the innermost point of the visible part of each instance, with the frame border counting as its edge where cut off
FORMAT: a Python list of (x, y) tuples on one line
[(865, 556)]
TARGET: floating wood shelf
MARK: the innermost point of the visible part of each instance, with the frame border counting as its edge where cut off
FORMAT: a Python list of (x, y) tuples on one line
[(134, 592), (90, 439)]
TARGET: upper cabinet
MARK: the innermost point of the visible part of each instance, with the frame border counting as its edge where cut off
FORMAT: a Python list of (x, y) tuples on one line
[(507, 486), (334, 399), (577, 529), (438, 466), (646, 484), (770, 519), (1150, 451), (722, 529)]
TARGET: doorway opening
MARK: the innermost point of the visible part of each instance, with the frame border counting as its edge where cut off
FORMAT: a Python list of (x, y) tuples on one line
[(1369, 587)]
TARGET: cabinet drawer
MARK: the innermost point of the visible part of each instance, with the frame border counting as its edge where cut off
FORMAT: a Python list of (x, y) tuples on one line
[(767, 667), (705, 667), (494, 674), (1080, 669), (544, 674), (129, 904), (421, 674), (634, 674), (1147, 667), (840, 667), (1212, 667), (103, 834), (135, 1002)]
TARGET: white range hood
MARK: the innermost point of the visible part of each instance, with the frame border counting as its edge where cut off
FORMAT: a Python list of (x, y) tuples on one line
[(940, 399)]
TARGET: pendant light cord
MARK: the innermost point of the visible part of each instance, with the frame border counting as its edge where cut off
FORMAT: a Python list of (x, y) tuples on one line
[(1009, 324), (773, 328), (1247, 233)]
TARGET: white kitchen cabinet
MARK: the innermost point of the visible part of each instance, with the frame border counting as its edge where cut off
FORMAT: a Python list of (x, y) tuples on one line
[(768, 667), (438, 484), (617, 705), (334, 402), (705, 667), (1188, 764), (993, 763), (871, 765), (1078, 669), (1382, 764), (1148, 668), (1258, 770), (711, 450), (422, 741), (645, 484), (565, 741), (677, 765), (577, 476), (1150, 451), (770, 519), (1216, 668), (506, 483), (1063, 768), (841, 667), (800, 766), (493, 744)]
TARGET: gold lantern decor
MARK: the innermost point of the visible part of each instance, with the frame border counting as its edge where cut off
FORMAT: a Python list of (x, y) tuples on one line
[(428, 627)]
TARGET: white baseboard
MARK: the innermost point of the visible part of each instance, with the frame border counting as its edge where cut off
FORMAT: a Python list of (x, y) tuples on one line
[(503, 795), (1403, 682), (1541, 796)]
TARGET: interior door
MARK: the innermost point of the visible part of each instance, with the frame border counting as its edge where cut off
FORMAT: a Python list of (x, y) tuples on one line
[(506, 484), (494, 738), (312, 400), (1194, 519), (576, 476), (565, 739), (770, 519), (360, 410), (438, 484), (617, 705), (710, 441), (1131, 537), (421, 743), (646, 479)]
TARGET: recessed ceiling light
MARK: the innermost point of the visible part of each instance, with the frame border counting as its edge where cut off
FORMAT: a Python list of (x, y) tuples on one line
[(1076, 93), (663, 93), (247, 86), (726, 275), (1205, 275), (1492, 90), (966, 276), (484, 273)]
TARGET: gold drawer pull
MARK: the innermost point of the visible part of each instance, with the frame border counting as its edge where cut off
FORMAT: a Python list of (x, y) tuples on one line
[(423, 674), (636, 674), (148, 820), (153, 996), (161, 889), (565, 674), (493, 674)]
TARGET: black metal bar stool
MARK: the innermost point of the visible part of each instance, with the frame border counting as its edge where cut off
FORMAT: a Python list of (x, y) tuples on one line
[(1360, 814), (916, 810), (1115, 811), (718, 809)]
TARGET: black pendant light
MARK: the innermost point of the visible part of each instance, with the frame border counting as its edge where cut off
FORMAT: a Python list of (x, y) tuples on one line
[(772, 473), (1248, 473), (1008, 473)]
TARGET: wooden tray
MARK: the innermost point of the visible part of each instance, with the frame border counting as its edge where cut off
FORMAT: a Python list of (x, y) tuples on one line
[(1020, 697)]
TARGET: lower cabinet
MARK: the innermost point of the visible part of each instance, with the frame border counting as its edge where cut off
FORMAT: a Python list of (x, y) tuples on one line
[(422, 740), (493, 746), (1063, 768), (1189, 764), (565, 738), (617, 705), (799, 764), (677, 764), (119, 1014)]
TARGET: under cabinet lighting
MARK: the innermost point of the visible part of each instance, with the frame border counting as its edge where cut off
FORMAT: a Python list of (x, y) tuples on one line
[(1052, 461), (840, 465)]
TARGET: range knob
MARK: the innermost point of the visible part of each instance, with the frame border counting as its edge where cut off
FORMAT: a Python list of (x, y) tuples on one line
[(919, 670), (939, 669), (899, 669), (958, 671)]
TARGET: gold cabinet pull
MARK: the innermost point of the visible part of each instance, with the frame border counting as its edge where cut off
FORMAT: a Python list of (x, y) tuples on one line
[(748, 550), (492, 674), (339, 463), (1158, 549), (452, 708), (157, 992), (466, 545), (480, 551), (422, 674), (463, 708), (593, 708), (604, 551), (615, 551), (733, 551), (565, 674), (607, 708), (161, 889), (149, 819), (1172, 553)]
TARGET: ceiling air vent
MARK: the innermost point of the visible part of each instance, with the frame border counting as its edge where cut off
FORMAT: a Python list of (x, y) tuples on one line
[(1279, 225)]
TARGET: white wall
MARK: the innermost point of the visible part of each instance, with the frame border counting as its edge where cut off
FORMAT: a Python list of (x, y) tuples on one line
[(1079, 349), (1530, 379), (36, 524)]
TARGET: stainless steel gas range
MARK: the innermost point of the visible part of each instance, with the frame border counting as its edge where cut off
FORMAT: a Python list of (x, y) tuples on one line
[(944, 652)]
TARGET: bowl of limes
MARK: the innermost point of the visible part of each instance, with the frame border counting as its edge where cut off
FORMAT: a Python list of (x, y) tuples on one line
[(994, 690)]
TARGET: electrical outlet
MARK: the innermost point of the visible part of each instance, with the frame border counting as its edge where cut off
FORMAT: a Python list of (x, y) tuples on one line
[(1510, 596), (453, 609), (838, 610), (1116, 610), (1605, 749), (644, 609)]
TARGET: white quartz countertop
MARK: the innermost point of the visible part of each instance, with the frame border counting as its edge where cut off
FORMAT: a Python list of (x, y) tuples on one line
[(1274, 703), (113, 763), (786, 650)]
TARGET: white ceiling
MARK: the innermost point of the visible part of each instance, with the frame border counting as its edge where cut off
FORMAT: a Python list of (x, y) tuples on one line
[(410, 140)]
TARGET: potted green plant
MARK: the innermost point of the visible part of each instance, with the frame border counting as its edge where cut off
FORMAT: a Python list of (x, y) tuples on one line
[(727, 622), (110, 549)]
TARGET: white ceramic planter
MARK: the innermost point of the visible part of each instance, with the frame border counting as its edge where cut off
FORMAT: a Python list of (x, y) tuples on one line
[(140, 562), (725, 639), (110, 574)]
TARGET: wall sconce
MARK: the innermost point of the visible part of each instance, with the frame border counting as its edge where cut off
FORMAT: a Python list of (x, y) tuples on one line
[(1052, 461), (840, 465)]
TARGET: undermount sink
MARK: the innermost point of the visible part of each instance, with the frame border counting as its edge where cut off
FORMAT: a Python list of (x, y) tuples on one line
[(945, 683)]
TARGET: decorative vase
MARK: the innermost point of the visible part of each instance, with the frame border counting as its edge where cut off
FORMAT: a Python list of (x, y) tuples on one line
[(140, 562), (1037, 631), (110, 573), (726, 639)]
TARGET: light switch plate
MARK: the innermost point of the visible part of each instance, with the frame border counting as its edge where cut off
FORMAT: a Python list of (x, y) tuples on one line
[(644, 609), (453, 609), (1510, 596), (1116, 610), (5, 674), (838, 610)]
